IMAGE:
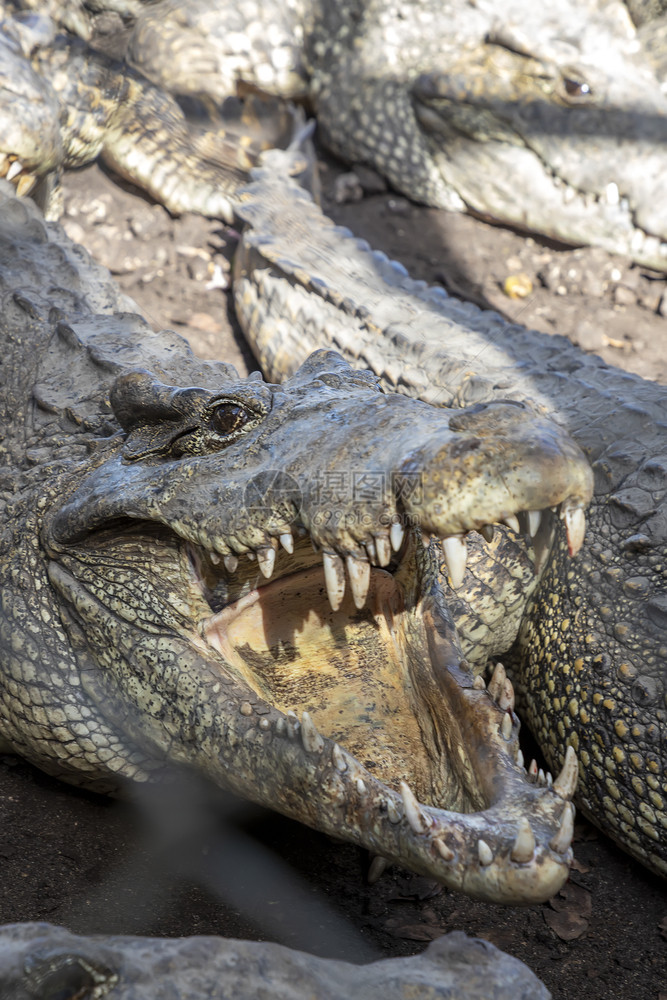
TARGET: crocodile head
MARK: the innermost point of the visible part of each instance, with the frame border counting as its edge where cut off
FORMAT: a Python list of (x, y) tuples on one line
[(554, 129), (244, 577), (552, 118)]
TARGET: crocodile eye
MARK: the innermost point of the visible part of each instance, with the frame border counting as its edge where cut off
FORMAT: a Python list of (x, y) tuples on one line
[(576, 89), (227, 418)]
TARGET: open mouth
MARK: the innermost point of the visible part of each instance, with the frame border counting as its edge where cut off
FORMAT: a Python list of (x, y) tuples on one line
[(371, 726), (345, 639), (355, 663)]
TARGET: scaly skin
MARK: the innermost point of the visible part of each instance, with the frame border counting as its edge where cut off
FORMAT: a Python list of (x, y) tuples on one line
[(588, 639), (39, 961), (554, 121), (70, 104), (547, 117), (133, 638)]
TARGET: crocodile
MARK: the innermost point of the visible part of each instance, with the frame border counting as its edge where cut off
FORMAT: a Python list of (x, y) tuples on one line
[(553, 121), (148, 619), (64, 104), (587, 645), (550, 118), (40, 962)]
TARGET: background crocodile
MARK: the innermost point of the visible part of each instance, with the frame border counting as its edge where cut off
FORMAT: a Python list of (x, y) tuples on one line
[(549, 118), (64, 104), (591, 649), (554, 120)]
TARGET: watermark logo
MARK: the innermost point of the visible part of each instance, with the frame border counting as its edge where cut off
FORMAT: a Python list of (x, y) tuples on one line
[(270, 491)]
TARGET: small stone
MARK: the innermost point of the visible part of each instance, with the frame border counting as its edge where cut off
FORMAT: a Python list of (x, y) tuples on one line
[(204, 321), (399, 206), (624, 296), (347, 188), (517, 286), (198, 269), (588, 336)]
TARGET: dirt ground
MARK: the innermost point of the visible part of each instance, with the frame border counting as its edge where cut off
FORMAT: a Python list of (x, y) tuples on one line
[(184, 862)]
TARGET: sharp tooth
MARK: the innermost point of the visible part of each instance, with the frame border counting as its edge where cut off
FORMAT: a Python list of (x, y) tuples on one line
[(396, 534), (383, 549), (506, 699), (418, 821), (484, 852), (311, 739), (359, 571), (287, 541), (334, 578), (393, 812), (215, 558), (550, 779), (372, 552), (266, 559), (486, 531), (611, 193), (377, 868), (25, 184), (506, 727), (339, 758), (446, 853), (524, 845), (534, 519), (541, 779), (479, 683), (563, 838), (532, 770), (14, 170), (426, 539), (566, 782), (512, 522), (497, 682), (251, 556), (455, 552), (361, 787), (575, 525), (231, 563), (519, 758)]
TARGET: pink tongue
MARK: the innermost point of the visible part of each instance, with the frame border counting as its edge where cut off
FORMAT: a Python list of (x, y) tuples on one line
[(294, 609)]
